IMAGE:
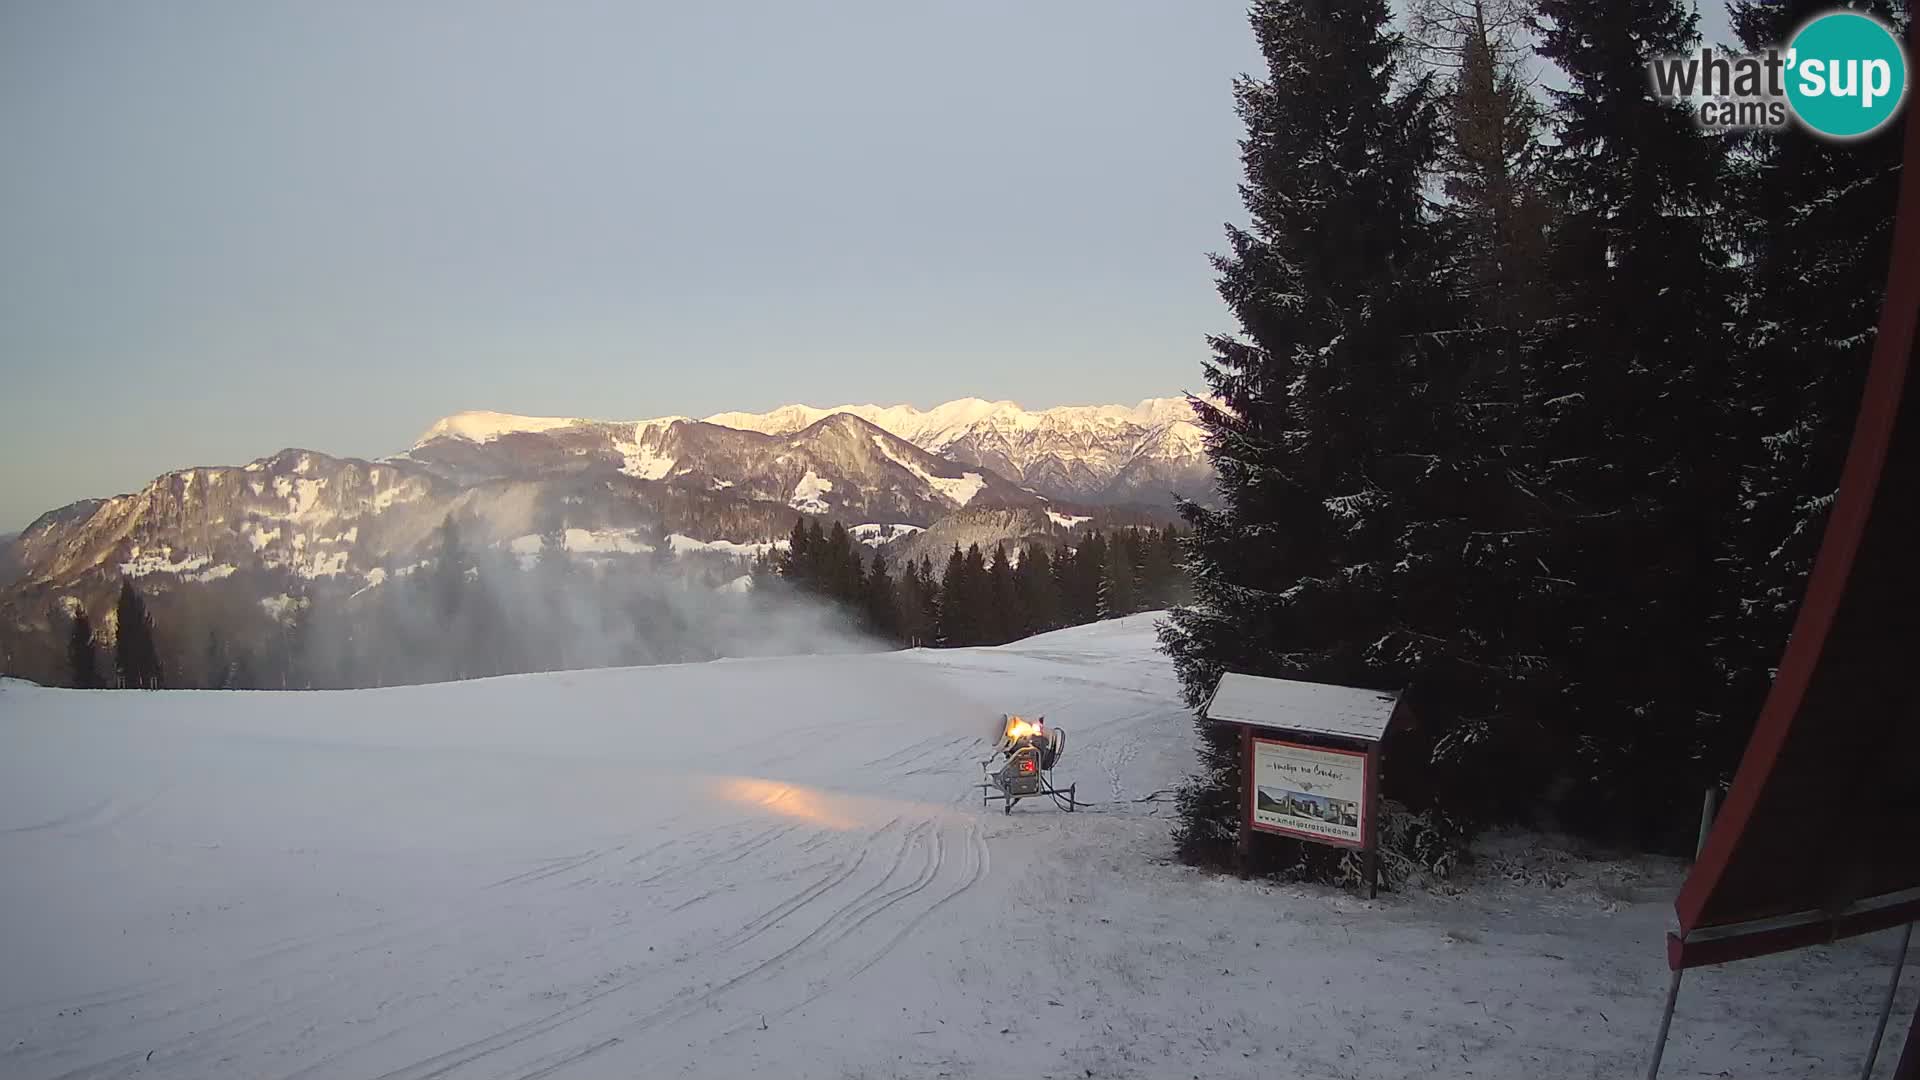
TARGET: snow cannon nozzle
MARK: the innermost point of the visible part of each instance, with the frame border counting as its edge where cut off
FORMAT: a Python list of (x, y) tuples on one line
[(1027, 751)]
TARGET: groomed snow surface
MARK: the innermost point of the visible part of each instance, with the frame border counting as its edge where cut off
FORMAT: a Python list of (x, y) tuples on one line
[(779, 868)]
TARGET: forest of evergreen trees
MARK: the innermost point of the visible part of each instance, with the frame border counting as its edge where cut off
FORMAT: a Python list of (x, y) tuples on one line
[(980, 598), (1536, 403), (135, 652)]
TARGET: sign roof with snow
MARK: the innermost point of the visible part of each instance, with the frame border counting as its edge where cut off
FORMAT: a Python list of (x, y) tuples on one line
[(1322, 708)]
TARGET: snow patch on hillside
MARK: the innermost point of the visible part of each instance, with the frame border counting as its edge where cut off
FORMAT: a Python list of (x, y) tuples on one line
[(685, 545), (281, 607), (388, 496), (877, 533), (140, 564), (642, 460), (960, 491), (807, 494), (374, 579), (321, 564), (1067, 521), (607, 541)]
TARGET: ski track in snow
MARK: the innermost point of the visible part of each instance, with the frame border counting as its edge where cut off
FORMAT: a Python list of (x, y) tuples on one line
[(778, 866)]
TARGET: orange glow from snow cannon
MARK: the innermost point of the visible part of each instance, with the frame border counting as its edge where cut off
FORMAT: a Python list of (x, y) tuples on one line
[(1018, 728)]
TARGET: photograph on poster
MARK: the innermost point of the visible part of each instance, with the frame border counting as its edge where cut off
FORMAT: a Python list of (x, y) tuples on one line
[(1309, 791)]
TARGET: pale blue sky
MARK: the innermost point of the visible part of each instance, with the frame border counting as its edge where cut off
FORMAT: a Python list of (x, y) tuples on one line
[(228, 227), (232, 226)]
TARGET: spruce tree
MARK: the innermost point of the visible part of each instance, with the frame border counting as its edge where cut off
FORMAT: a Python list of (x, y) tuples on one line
[(453, 654), (1496, 209), (840, 575), (1064, 575), (1471, 602), (1117, 581), (1154, 570), (910, 606), (1082, 590), (215, 664), (1815, 223), (1003, 620), (978, 589), (954, 625), (452, 566), (764, 571), (814, 573), (83, 660), (797, 560), (856, 576), (1640, 436), (882, 611), (1333, 288), (927, 625), (1038, 595), (136, 655)]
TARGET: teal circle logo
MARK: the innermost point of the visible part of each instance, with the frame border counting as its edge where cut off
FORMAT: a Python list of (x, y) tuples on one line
[(1846, 74)]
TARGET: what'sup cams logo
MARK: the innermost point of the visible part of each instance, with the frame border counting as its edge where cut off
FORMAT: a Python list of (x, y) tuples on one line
[(1842, 75)]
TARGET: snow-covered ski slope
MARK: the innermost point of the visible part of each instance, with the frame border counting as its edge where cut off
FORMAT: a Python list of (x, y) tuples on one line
[(779, 868)]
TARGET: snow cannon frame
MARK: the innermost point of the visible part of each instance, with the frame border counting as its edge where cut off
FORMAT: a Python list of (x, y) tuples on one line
[(1026, 752)]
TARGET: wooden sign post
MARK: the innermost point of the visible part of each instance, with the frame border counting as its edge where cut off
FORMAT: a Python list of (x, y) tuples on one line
[(1310, 753)]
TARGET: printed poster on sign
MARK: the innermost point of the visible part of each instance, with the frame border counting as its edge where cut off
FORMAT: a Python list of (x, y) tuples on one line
[(1309, 791)]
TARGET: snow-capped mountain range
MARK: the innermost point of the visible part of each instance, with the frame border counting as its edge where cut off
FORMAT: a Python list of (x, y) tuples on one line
[(1089, 453), (731, 485)]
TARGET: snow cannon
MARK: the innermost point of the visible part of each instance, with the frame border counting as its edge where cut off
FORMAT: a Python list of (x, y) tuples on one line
[(1021, 765)]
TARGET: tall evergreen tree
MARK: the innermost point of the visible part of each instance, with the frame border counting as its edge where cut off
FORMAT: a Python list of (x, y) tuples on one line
[(1064, 575), (1333, 288), (1496, 210), (910, 606), (83, 658), (453, 565), (797, 560), (1118, 584), (1039, 595), (136, 655), (927, 625), (764, 571), (813, 573), (554, 574), (978, 589), (1080, 578), (840, 571), (1003, 619), (1640, 427), (1815, 223), (954, 627), (1470, 601), (216, 665), (882, 610), (451, 583)]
